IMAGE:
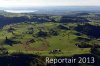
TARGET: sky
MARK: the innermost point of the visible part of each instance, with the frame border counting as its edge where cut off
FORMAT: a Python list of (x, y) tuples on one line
[(23, 3)]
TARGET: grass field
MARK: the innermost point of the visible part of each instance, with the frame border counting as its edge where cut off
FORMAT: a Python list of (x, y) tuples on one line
[(23, 33)]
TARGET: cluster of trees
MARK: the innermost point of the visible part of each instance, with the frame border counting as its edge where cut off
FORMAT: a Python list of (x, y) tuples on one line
[(10, 42), (67, 19), (51, 32), (90, 30), (9, 20), (3, 51), (83, 42), (38, 18)]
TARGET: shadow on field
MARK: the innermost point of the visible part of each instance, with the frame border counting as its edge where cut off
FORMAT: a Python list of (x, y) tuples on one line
[(35, 60)]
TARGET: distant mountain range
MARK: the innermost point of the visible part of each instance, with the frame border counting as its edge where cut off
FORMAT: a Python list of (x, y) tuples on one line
[(72, 8), (56, 10)]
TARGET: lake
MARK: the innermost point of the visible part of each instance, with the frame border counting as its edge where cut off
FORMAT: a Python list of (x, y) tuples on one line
[(20, 11)]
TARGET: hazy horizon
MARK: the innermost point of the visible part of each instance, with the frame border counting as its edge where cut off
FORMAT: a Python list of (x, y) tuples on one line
[(50, 9), (34, 3)]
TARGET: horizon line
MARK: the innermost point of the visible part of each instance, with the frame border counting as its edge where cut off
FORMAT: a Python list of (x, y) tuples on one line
[(54, 6)]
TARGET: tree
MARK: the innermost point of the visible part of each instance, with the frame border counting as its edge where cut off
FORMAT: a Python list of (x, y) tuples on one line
[(11, 29), (3, 51), (42, 34), (53, 32)]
